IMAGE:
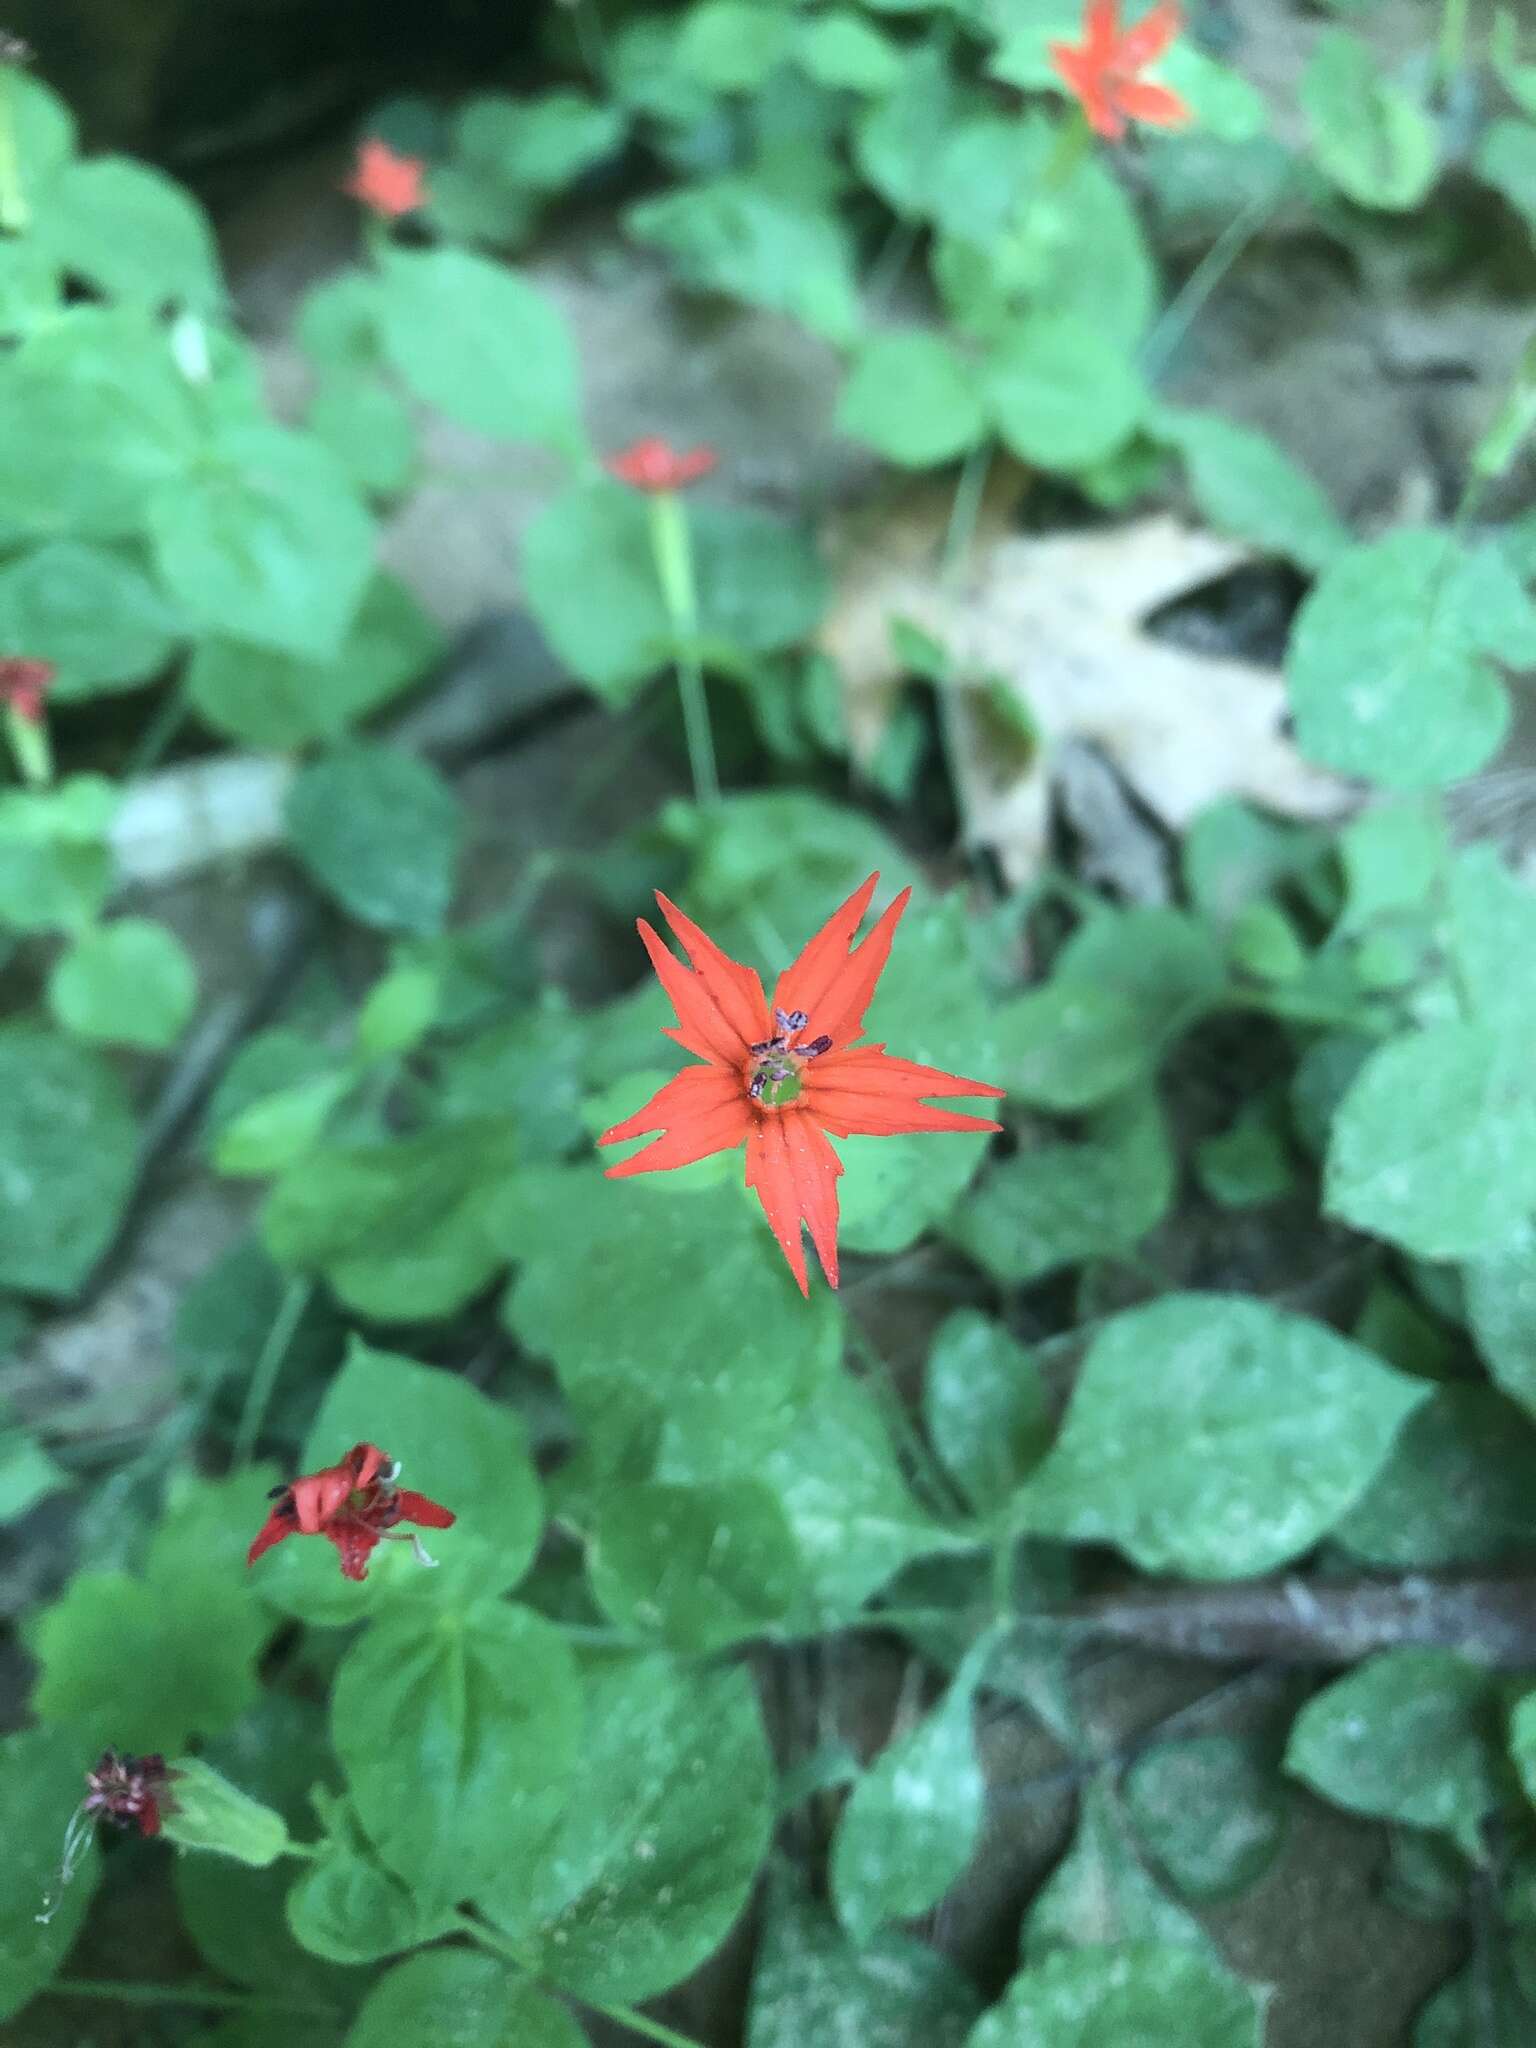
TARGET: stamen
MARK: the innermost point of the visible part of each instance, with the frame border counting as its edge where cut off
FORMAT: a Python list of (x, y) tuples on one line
[(791, 1021), (816, 1047)]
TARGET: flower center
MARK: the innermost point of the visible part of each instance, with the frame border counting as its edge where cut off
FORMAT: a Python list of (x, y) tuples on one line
[(778, 1063)]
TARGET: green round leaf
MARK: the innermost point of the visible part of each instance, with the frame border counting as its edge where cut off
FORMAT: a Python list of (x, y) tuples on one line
[(98, 420), (654, 1858), (636, 1240), (368, 428), (69, 1142), (738, 236), (1057, 1205), (481, 344), (147, 1665), (913, 398), (1434, 1144), (732, 45), (458, 1735), (839, 49), (985, 1407), (55, 866), (234, 1912), (402, 1228), (1246, 485), (1100, 1893), (913, 1821), (1139, 1995), (1062, 395), (812, 1984), (347, 1908), (1374, 142), (88, 610), (1216, 1437), (378, 830), (454, 1998), (1413, 1736), (42, 1781), (264, 698), (696, 1566), (131, 232), (265, 541), (1456, 1489), (125, 983), (1385, 671), (1210, 1810)]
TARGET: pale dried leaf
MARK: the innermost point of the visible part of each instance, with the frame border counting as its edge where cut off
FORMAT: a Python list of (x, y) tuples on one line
[(1059, 622)]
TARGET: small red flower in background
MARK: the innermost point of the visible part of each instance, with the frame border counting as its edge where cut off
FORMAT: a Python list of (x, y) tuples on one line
[(24, 685), (652, 464), (387, 184), (783, 1079), (1103, 73), (356, 1504)]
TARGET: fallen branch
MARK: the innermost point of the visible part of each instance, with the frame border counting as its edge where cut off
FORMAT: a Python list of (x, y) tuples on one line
[(1294, 1620)]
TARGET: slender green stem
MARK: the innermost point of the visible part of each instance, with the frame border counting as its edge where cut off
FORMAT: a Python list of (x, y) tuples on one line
[(15, 214), (1189, 301), (696, 731), (1452, 50), (258, 1394), (672, 546), (212, 1998), (639, 2023), (170, 716), (970, 490)]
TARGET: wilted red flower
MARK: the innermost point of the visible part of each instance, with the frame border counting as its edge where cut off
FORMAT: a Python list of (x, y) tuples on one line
[(356, 1504), (1103, 73), (24, 684), (782, 1080), (128, 1791), (653, 464), (387, 183)]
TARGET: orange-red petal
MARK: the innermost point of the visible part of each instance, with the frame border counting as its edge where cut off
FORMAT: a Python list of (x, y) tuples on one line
[(701, 1110), (1154, 104), (700, 1025), (735, 990), (428, 1514), (1101, 31), (794, 1171), (833, 986), (1145, 42), (272, 1530), (695, 1092), (804, 984), (866, 1093)]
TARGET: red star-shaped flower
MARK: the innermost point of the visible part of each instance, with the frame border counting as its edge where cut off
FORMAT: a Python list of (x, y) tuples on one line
[(356, 1504), (386, 183), (783, 1078), (655, 465), (24, 685), (1104, 73)]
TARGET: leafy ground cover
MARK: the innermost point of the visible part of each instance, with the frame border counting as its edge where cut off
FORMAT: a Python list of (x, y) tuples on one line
[(979, 1492)]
